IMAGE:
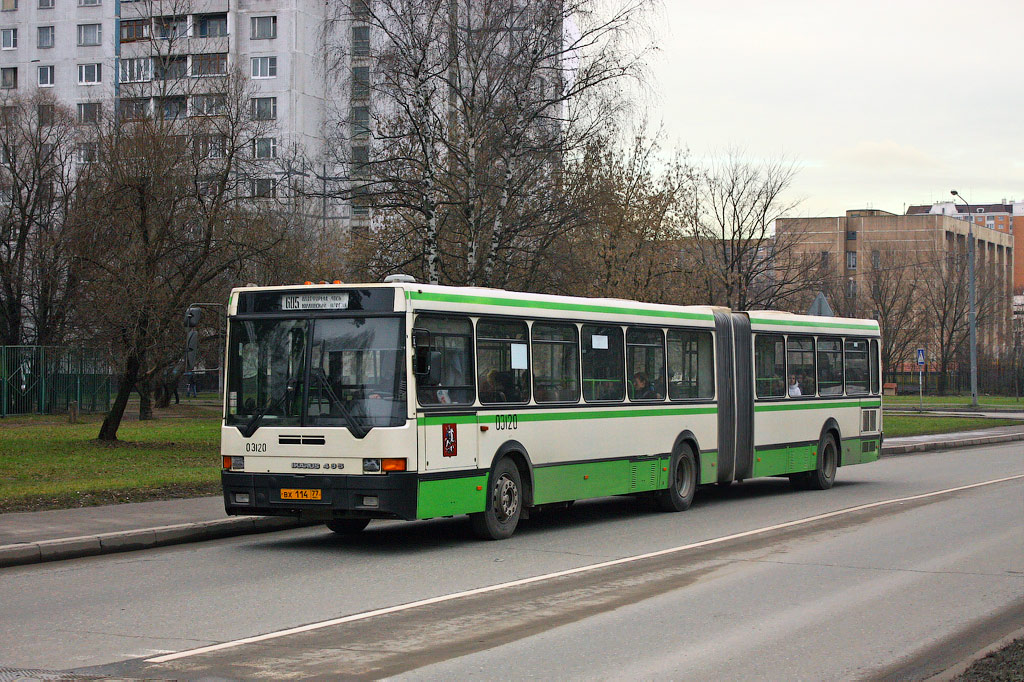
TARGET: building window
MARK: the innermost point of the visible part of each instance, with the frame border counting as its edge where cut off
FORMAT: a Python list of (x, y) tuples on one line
[(45, 113), (265, 188), (134, 29), (86, 152), (360, 158), (9, 5), (89, 3), (851, 288), (169, 68), (360, 122), (209, 105), (851, 260), (44, 37), (264, 148), (167, 28), (264, 108), (45, 4), (173, 107), (210, 64), (360, 82), (212, 25), (9, 38), (361, 41), (263, 28), (88, 112), (211, 146), (361, 9), (876, 259), (825, 259), (851, 235), (46, 76), (264, 67), (9, 77), (137, 70), (133, 109), (360, 203), (89, 34), (90, 74)]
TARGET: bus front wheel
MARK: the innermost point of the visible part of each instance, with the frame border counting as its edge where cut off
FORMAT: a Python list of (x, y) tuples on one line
[(504, 503), (347, 526), (682, 482)]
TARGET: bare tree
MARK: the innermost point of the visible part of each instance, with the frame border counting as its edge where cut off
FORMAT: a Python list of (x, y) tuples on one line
[(37, 278), (475, 106), (169, 207), (733, 250)]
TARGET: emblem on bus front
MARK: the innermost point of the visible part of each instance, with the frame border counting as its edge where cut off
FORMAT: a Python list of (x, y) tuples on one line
[(449, 441)]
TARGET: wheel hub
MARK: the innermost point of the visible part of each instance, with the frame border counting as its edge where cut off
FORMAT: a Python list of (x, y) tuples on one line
[(506, 496)]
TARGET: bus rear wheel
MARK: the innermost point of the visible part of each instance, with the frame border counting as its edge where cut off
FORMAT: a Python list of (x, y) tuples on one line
[(682, 482), (504, 503), (347, 526)]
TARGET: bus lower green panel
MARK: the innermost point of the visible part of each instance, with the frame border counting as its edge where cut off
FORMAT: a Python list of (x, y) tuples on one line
[(784, 460), (597, 479), (451, 496), (708, 467), (860, 450)]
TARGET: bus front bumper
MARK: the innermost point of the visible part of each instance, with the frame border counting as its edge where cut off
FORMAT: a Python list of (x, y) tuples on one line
[(385, 496)]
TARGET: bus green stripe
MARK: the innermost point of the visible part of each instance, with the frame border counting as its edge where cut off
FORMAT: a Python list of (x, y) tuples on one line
[(556, 305), (567, 415), (779, 407), (807, 323)]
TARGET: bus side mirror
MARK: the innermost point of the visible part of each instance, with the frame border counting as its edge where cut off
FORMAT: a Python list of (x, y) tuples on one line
[(427, 366)]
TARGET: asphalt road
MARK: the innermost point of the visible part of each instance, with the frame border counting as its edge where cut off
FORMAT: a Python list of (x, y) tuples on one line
[(901, 589)]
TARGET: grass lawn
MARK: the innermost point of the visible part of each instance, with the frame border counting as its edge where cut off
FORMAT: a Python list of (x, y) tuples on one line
[(897, 425), (46, 463), (960, 400)]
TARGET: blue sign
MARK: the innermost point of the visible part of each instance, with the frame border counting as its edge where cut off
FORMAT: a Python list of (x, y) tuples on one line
[(920, 357)]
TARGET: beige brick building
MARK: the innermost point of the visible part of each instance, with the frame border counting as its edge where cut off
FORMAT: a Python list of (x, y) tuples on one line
[(871, 260)]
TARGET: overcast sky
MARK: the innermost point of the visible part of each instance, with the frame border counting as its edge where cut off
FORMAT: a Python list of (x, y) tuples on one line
[(879, 103)]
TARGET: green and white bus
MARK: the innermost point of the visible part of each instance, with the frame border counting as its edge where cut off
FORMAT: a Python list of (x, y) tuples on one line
[(346, 403)]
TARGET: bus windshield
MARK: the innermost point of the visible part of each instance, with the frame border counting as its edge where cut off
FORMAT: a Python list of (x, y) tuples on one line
[(356, 373)]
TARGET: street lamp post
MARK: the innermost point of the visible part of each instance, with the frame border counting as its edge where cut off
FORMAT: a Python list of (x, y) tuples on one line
[(972, 315)]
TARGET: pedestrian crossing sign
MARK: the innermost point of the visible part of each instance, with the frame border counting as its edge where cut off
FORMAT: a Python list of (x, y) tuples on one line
[(920, 357)]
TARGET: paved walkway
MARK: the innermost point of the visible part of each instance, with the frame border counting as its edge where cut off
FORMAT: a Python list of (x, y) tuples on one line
[(31, 537)]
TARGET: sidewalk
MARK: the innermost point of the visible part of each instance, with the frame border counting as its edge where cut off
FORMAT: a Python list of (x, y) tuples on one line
[(33, 537)]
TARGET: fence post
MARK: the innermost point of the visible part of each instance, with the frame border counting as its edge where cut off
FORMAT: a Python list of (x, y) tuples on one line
[(78, 378), (3, 381), (42, 380)]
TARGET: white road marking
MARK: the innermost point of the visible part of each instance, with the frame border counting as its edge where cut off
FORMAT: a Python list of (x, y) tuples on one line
[(560, 574)]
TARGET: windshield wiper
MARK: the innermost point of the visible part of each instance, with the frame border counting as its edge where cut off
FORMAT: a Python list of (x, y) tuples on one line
[(357, 427), (249, 428)]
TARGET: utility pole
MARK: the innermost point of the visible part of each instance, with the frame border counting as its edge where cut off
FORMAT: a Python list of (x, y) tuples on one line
[(972, 315)]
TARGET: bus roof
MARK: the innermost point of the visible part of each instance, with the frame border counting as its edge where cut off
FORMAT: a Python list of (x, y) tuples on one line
[(442, 298)]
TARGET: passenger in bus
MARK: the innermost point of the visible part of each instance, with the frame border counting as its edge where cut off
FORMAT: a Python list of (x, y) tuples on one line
[(490, 387), (642, 389), (794, 387)]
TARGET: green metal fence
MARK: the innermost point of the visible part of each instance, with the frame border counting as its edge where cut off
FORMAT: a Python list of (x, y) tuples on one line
[(46, 379)]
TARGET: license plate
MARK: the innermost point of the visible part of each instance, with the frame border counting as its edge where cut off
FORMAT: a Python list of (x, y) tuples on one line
[(301, 494)]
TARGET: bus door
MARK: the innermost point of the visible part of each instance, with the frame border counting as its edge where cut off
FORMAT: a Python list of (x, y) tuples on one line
[(448, 440), (724, 373), (743, 364)]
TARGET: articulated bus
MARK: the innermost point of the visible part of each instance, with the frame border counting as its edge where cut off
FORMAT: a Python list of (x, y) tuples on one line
[(400, 400)]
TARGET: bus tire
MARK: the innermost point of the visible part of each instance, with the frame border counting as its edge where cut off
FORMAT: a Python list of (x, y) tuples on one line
[(824, 474), (504, 503), (682, 481), (347, 526)]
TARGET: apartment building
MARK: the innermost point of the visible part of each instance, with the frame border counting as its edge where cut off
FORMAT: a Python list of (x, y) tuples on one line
[(1005, 217), (151, 57), (848, 248)]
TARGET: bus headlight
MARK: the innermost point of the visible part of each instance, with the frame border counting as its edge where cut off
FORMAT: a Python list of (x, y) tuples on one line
[(371, 466)]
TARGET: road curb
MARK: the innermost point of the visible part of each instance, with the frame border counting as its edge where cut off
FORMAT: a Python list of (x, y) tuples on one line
[(911, 448), (23, 553)]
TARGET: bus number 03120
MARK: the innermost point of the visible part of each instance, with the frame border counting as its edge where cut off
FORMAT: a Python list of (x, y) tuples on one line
[(505, 422)]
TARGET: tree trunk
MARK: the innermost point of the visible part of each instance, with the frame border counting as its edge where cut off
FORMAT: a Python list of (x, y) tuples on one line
[(145, 388), (162, 395), (108, 430)]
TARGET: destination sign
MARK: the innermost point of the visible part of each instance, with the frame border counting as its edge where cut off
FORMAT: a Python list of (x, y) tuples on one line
[(326, 301)]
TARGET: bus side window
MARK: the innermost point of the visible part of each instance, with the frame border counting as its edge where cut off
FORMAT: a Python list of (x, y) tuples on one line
[(857, 366), (691, 365), (502, 353), (452, 337), (830, 367), (645, 358), (602, 363), (556, 365), (874, 359), (770, 365), (800, 359)]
